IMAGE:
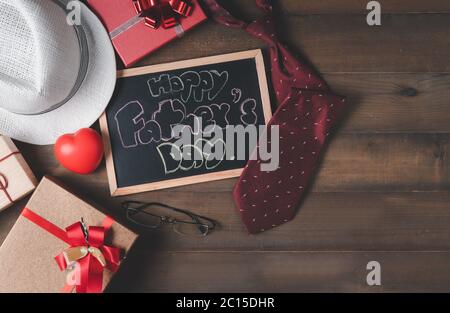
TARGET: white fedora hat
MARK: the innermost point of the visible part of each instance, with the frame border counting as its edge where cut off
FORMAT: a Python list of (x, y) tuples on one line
[(55, 78)]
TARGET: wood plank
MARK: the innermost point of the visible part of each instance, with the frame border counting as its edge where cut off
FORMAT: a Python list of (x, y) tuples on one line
[(364, 221), (383, 189), (154, 271), (388, 162), (326, 221), (335, 43), (344, 6), (354, 162), (384, 103), (393, 102)]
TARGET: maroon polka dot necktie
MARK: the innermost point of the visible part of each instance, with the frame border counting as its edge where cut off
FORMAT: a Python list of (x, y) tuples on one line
[(307, 111)]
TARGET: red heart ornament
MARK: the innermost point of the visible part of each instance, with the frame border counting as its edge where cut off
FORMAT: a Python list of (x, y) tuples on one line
[(81, 152)]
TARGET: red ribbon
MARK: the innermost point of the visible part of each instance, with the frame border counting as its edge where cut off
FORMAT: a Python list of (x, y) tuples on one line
[(4, 180), (90, 266), (162, 12)]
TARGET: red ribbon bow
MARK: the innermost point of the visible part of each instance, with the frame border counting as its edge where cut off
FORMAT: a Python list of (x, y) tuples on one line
[(162, 12), (91, 255)]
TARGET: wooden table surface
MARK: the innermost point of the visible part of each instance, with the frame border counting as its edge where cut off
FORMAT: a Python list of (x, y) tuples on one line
[(383, 189)]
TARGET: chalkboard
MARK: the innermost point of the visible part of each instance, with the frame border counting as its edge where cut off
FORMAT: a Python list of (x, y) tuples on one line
[(150, 101)]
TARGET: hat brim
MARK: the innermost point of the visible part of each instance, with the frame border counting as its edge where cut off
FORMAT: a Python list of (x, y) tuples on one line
[(85, 107)]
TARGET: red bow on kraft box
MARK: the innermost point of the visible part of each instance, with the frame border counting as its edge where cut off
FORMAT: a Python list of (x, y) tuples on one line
[(90, 256), (87, 256), (139, 27)]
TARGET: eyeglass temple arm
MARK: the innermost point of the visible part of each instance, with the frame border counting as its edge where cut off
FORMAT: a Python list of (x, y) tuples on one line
[(195, 217)]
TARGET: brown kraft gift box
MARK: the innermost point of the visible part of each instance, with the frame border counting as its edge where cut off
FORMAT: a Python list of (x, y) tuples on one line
[(16, 178), (27, 256)]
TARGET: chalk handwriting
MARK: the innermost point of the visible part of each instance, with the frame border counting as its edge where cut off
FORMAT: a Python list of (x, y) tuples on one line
[(130, 120), (170, 115), (206, 84), (249, 116), (186, 157), (220, 81), (134, 129), (150, 133), (220, 113), (237, 94), (174, 115), (191, 85)]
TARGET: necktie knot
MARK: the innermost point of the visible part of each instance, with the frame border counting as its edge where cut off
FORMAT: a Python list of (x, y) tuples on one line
[(307, 110), (264, 28)]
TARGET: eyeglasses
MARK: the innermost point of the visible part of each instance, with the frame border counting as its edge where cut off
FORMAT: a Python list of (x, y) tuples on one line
[(154, 215)]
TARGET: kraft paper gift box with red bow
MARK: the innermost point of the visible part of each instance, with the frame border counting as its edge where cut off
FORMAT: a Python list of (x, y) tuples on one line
[(16, 178), (140, 27), (50, 250)]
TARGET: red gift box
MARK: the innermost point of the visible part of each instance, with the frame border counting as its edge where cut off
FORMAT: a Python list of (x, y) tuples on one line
[(130, 35)]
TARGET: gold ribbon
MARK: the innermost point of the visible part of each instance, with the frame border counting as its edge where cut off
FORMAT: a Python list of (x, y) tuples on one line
[(74, 254)]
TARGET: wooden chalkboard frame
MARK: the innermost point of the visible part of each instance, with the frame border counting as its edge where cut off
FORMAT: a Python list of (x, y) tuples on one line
[(261, 71)]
